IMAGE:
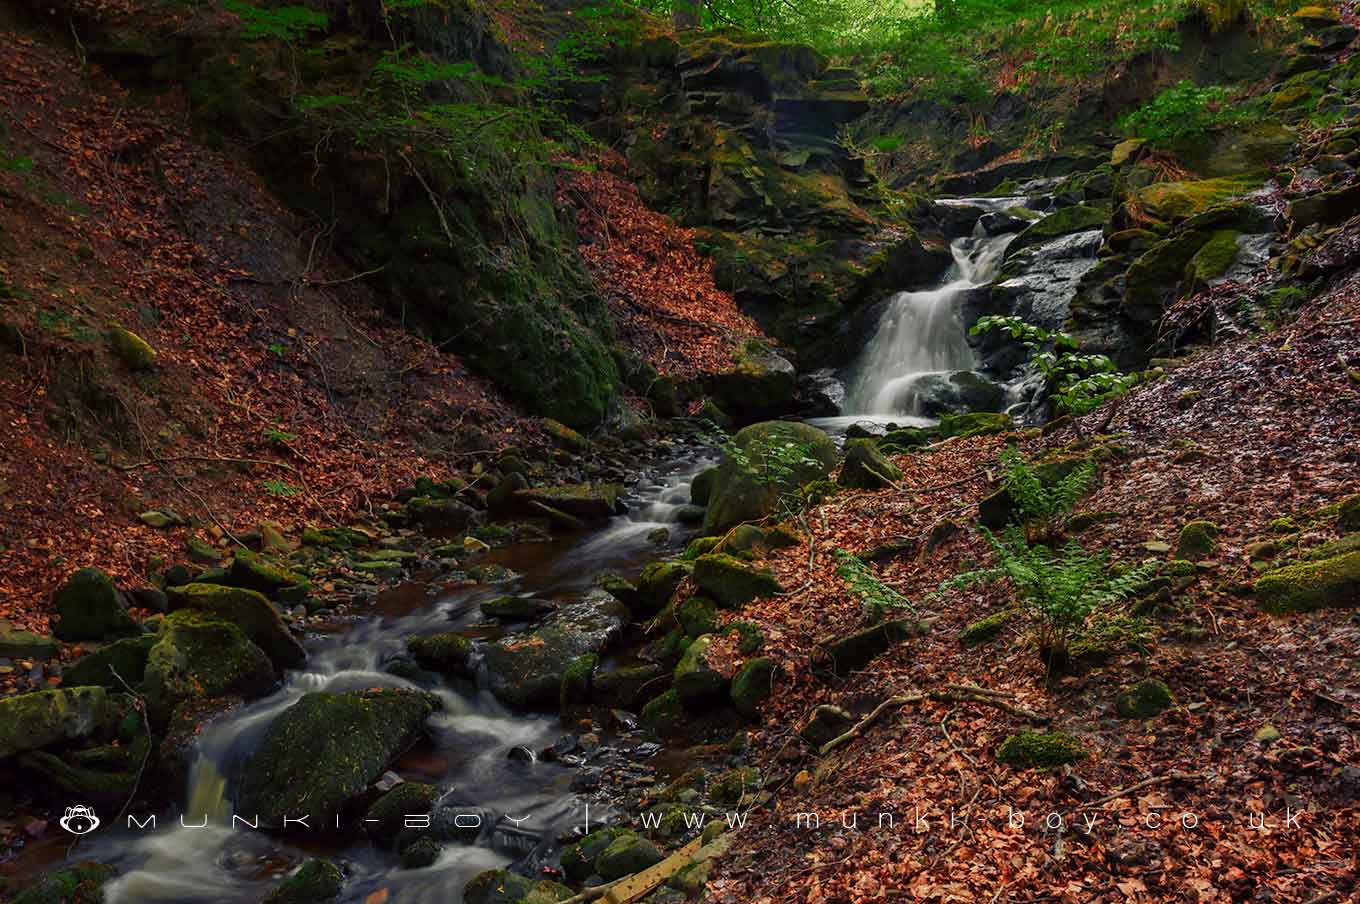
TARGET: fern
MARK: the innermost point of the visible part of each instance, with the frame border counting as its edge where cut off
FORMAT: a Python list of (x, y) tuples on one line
[(281, 23), (877, 597), (1035, 502)]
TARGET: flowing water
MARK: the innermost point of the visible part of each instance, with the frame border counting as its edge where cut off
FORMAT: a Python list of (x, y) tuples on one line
[(920, 334), (196, 856)]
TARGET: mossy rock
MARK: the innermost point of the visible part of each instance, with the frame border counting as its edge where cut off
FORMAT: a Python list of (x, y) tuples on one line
[(760, 384), (101, 775), (695, 678), (701, 488), (326, 749), (664, 715), (80, 884), (576, 681), (16, 644), (386, 818), (420, 853), (1040, 750), (89, 607), (41, 718), (511, 608), (1198, 540), (700, 546), (250, 611), (751, 686), (744, 492), (131, 349), (731, 582), (256, 573), (975, 423), (1077, 218), (657, 584), (985, 630), (578, 860), (1171, 202), (1305, 586), (447, 653), (314, 882), (563, 436), (1317, 17), (906, 439), (736, 785), (1348, 514), (866, 468), (744, 541), (198, 655), (697, 616), (587, 501), (1149, 697), (525, 670), (1212, 260), (500, 886), (627, 854), (826, 723), (126, 657), (854, 651), (626, 688), (1328, 207)]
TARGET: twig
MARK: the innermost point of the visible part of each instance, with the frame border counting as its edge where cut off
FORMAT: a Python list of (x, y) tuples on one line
[(220, 458), (1138, 786), (960, 694)]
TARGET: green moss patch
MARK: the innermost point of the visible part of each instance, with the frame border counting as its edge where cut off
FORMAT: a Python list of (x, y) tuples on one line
[(1040, 750)]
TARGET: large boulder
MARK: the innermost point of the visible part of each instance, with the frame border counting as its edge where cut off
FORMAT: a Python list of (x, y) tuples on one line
[(315, 882), (866, 468), (257, 573), (732, 582), (250, 611), (749, 490), (657, 584), (936, 394), (526, 670), (35, 720), (1327, 584), (697, 677), (761, 384), (89, 607), (326, 749), (197, 655), (112, 665), (1076, 218), (587, 501)]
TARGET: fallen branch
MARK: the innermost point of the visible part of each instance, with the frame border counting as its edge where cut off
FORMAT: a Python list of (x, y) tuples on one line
[(957, 693), (218, 458), (1139, 786)]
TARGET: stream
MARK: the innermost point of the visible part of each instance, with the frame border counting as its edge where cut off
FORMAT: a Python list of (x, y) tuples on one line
[(527, 803)]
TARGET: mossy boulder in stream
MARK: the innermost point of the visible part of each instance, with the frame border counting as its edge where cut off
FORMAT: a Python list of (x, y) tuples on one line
[(526, 670), (254, 572), (975, 423), (199, 655), (775, 458), (316, 881), (80, 884), (41, 718), (250, 611), (89, 607), (866, 468), (326, 749), (587, 501), (1076, 218), (732, 582), (386, 818), (500, 886), (447, 653), (126, 657), (1326, 584)]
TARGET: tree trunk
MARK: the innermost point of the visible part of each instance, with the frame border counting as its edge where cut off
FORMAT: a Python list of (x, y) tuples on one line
[(685, 14)]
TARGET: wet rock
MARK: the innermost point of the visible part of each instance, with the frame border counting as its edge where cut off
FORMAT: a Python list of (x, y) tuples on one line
[(420, 853), (584, 501), (198, 655), (447, 653), (89, 607), (576, 681), (664, 715), (514, 608), (526, 670), (627, 688), (827, 722), (657, 585), (41, 718), (955, 393), (248, 610), (326, 749), (866, 468), (314, 881), (1077, 218), (79, 884), (500, 886), (126, 657), (620, 588), (442, 514), (701, 487), (386, 818), (731, 582), (742, 493)]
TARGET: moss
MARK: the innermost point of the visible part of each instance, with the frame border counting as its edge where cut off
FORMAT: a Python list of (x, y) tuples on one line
[(326, 749), (906, 439), (1035, 750), (1170, 202), (249, 611), (386, 818), (131, 349), (89, 607), (749, 638), (1082, 520), (127, 657), (198, 655), (627, 854), (751, 686), (736, 785), (1286, 525), (743, 492), (1181, 567), (664, 714), (975, 423), (985, 630), (79, 884), (578, 860), (576, 680), (500, 886), (420, 853), (695, 679), (448, 653), (1212, 260), (697, 616), (1147, 698), (1348, 514), (702, 486), (1076, 218), (658, 582), (1198, 540), (865, 467), (41, 718), (256, 573), (315, 881), (1329, 583), (732, 582)]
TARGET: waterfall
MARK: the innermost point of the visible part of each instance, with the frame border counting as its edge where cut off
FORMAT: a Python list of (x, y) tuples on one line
[(921, 335)]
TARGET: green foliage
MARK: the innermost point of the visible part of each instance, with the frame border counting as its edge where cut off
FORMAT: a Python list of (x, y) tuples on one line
[(281, 489), (877, 597), (1179, 114), (278, 23), (1038, 503), (774, 462), (277, 434), (1060, 591), (1080, 383)]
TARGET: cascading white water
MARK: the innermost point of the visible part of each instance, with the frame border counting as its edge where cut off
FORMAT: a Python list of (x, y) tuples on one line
[(920, 333)]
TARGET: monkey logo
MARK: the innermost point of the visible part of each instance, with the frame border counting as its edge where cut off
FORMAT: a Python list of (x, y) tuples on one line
[(79, 820)]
